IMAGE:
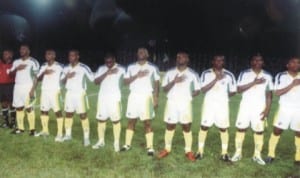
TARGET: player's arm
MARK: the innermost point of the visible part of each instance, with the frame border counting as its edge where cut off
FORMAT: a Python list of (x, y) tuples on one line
[(156, 86), (266, 112), (209, 86), (245, 87), (35, 69), (15, 68), (286, 89), (232, 86), (130, 79)]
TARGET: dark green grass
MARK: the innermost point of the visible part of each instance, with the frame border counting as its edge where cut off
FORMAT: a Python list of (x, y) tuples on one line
[(24, 156)]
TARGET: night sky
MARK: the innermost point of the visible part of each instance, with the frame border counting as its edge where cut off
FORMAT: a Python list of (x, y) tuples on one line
[(271, 26)]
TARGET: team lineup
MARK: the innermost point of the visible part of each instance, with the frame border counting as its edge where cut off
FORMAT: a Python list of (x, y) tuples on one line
[(181, 84)]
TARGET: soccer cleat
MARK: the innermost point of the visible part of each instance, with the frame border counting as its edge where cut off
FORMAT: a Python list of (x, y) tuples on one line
[(17, 131), (225, 158), (190, 156), (59, 139), (125, 148), (150, 152), (236, 157), (297, 163), (116, 146), (258, 160), (67, 138), (199, 156), (86, 142), (98, 145), (44, 134), (32, 133), (163, 153), (269, 160)]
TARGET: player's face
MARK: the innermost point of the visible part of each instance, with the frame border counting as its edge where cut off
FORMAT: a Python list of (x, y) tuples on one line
[(294, 65), (50, 56), (110, 62), (257, 62), (182, 59), (142, 54), (218, 62), (24, 51), (7, 56), (73, 57)]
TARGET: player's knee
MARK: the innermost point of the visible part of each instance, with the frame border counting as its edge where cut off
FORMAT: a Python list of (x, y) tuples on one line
[(69, 115), (83, 116), (20, 109), (259, 133), (204, 128), (29, 110), (277, 131), (44, 112), (58, 114), (116, 122), (186, 127), (242, 130), (171, 127), (297, 134), (222, 129)]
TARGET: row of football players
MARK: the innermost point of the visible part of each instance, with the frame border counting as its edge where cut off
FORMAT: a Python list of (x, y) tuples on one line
[(180, 83)]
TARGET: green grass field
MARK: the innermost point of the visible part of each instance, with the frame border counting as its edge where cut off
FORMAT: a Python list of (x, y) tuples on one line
[(24, 156)]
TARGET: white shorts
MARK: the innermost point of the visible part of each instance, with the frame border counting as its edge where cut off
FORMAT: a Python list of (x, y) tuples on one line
[(287, 117), (21, 96), (76, 101), (215, 112), (250, 114), (50, 100), (108, 107), (140, 106), (178, 111)]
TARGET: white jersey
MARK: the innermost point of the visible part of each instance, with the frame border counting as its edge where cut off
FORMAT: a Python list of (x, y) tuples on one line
[(257, 93), (184, 89), (110, 86), (25, 76), (142, 85), (78, 82), (219, 92), (51, 82), (292, 97)]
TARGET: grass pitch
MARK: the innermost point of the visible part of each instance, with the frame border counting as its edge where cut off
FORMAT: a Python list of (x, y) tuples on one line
[(24, 156)]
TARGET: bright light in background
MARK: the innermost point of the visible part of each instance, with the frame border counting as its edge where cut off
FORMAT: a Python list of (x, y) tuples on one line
[(42, 2)]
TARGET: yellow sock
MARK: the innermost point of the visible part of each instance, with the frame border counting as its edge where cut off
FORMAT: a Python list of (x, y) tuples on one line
[(149, 140), (224, 141), (117, 131), (129, 135), (60, 124), (20, 119), (85, 128), (45, 120), (239, 139), (31, 119), (297, 144), (188, 139), (68, 126), (101, 131), (201, 140), (272, 145), (258, 142), (168, 139)]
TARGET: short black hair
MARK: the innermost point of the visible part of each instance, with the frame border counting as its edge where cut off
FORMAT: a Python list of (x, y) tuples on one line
[(25, 45), (218, 55), (110, 55), (8, 50), (74, 50), (288, 60)]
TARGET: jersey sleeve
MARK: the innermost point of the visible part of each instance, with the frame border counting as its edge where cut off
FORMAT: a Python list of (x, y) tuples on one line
[(14, 66), (232, 84), (279, 82), (270, 84), (166, 80), (196, 82), (35, 66), (242, 79), (41, 71), (128, 73), (204, 79), (99, 72), (89, 73), (64, 73), (156, 74)]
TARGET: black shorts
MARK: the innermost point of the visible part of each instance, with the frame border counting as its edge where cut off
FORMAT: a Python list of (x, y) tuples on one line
[(6, 92)]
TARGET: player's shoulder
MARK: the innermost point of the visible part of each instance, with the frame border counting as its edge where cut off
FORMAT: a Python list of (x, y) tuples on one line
[(33, 60), (245, 71), (153, 66), (119, 66), (266, 73), (207, 71), (281, 74), (227, 72), (192, 71), (132, 65), (171, 70), (84, 66)]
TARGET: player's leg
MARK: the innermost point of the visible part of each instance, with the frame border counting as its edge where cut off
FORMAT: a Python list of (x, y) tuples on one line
[(117, 133), (149, 137), (129, 133), (85, 128), (188, 139), (44, 121), (222, 122), (12, 110), (258, 128), (68, 126), (5, 113), (201, 141), (169, 133), (101, 133), (297, 144), (239, 139), (273, 141), (60, 123), (31, 120), (18, 103), (115, 115), (224, 144)]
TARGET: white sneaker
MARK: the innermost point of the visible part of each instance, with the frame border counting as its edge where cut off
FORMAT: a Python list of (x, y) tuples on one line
[(67, 138), (44, 134), (86, 142), (59, 139), (236, 157), (117, 146), (258, 160), (98, 145)]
